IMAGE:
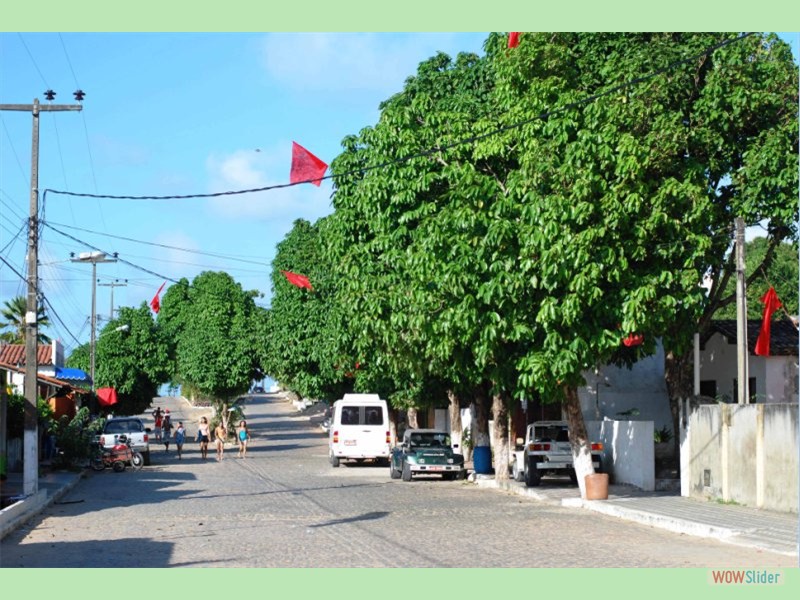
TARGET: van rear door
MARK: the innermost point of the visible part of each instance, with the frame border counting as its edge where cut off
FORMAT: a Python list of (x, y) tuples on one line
[(362, 431)]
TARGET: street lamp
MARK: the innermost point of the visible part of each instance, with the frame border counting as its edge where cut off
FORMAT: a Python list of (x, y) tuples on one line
[(94, 258)]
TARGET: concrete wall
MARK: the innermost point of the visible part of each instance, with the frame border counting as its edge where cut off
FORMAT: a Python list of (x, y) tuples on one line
[(742, 453), (627, 451)]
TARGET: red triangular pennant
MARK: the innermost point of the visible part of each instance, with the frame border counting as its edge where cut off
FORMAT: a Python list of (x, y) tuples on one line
[(107, 396), (306, 166), (513, 39), (771, 304), (633, 339), (300, 281), (155, 303)]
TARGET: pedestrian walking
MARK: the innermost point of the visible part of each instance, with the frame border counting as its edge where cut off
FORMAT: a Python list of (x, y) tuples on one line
[(220, 433), (158, 417), (180, 437), (243, 436), (166, 429), (203, 436)]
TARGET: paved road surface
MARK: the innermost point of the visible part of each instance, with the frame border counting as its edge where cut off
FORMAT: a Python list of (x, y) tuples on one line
[(284, 506)]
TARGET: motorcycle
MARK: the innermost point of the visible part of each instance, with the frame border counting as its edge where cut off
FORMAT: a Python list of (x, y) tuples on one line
[(118, 457)]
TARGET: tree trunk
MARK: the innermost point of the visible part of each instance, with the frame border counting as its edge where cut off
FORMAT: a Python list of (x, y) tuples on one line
[(480, 434), (578, 438), (455, 421), (413, 423), (679, 376), (501, 451)]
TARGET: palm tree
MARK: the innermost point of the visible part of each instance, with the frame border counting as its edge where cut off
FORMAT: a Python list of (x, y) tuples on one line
[(13, 314)]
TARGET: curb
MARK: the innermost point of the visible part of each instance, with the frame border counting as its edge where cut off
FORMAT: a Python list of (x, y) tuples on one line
[(26, 509)]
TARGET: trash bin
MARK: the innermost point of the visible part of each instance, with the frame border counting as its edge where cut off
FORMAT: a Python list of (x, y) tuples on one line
[(597, 486), (482, 459)]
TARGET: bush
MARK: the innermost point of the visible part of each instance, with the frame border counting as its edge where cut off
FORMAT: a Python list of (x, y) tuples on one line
[(15, 414), (75, 437)]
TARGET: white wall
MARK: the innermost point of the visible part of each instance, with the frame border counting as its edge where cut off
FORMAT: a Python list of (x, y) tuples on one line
[(742, 453), (628, 451)]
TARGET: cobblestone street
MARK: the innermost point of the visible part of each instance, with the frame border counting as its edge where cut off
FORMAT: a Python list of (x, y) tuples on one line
[(285, 506)]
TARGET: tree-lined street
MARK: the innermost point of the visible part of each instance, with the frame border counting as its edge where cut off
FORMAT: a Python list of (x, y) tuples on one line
[(284, 506)]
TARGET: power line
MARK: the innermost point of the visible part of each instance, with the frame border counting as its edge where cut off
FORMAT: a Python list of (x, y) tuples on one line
[(437, 149), (166, 246), (122, 260), (53, 310)]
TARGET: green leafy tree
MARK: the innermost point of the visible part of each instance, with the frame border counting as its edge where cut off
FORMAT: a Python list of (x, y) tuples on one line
[(295, 342), (131, 355), (626, 201), (213, 324), (13, 314)]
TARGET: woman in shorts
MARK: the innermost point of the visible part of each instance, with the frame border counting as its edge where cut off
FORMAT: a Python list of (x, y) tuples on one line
[(242, 435), (203, 436)]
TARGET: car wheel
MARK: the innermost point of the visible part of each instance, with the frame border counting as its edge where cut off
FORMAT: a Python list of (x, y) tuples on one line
[(406, 472), (118, 466), (393, 473), (462, 474), (146, 456), (334, 461), (573, 476), (137, 460), (532, 477)]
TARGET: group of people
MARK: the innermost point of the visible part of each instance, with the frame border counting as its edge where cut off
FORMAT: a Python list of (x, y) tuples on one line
[(163, 432)]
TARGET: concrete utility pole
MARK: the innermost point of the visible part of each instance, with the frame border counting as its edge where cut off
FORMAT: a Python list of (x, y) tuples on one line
[(742, 353), (94, 258), (112, 285), (30, 456)]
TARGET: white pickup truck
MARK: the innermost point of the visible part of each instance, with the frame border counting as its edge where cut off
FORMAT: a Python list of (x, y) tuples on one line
[(547, 451), (134, 428)]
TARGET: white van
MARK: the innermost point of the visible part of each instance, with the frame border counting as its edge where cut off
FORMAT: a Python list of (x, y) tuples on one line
[(360, 429)]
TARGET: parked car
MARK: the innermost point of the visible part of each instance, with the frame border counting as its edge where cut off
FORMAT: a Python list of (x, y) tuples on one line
[(133, 428), (426, 451)]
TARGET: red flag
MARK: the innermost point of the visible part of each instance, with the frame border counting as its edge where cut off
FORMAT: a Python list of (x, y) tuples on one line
[(107, 396), (306, 166), (300, 281), (771, 304), (633, 339), (513, 39), (155, 304)]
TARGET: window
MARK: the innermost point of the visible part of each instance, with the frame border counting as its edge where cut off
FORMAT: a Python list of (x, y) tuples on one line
[(708, 388)]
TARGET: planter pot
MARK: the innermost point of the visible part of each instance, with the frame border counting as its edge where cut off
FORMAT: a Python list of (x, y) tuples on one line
[(597, 486)]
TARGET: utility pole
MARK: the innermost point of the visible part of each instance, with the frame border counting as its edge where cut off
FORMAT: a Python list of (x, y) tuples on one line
[(742, 353), (30, 456), (112, 285), (94, 258)]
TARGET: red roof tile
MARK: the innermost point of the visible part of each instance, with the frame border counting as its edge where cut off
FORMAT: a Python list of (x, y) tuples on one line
[(14, 354)]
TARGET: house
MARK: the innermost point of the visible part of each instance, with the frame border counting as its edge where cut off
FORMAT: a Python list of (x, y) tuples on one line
[(54, 380), (772, 379)]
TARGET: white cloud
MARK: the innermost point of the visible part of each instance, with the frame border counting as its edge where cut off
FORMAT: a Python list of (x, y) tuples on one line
[(248, 169)]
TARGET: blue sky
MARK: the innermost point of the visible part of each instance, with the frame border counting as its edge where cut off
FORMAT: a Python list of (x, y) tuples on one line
[(176, 114)]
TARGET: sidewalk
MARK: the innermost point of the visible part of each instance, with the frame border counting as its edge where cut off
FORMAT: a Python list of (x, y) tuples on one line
[(732, 524), (52, 487)]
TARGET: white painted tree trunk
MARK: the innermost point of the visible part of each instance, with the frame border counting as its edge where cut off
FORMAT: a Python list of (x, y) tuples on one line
[(455, 421), (581, 452), (501, 455)]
